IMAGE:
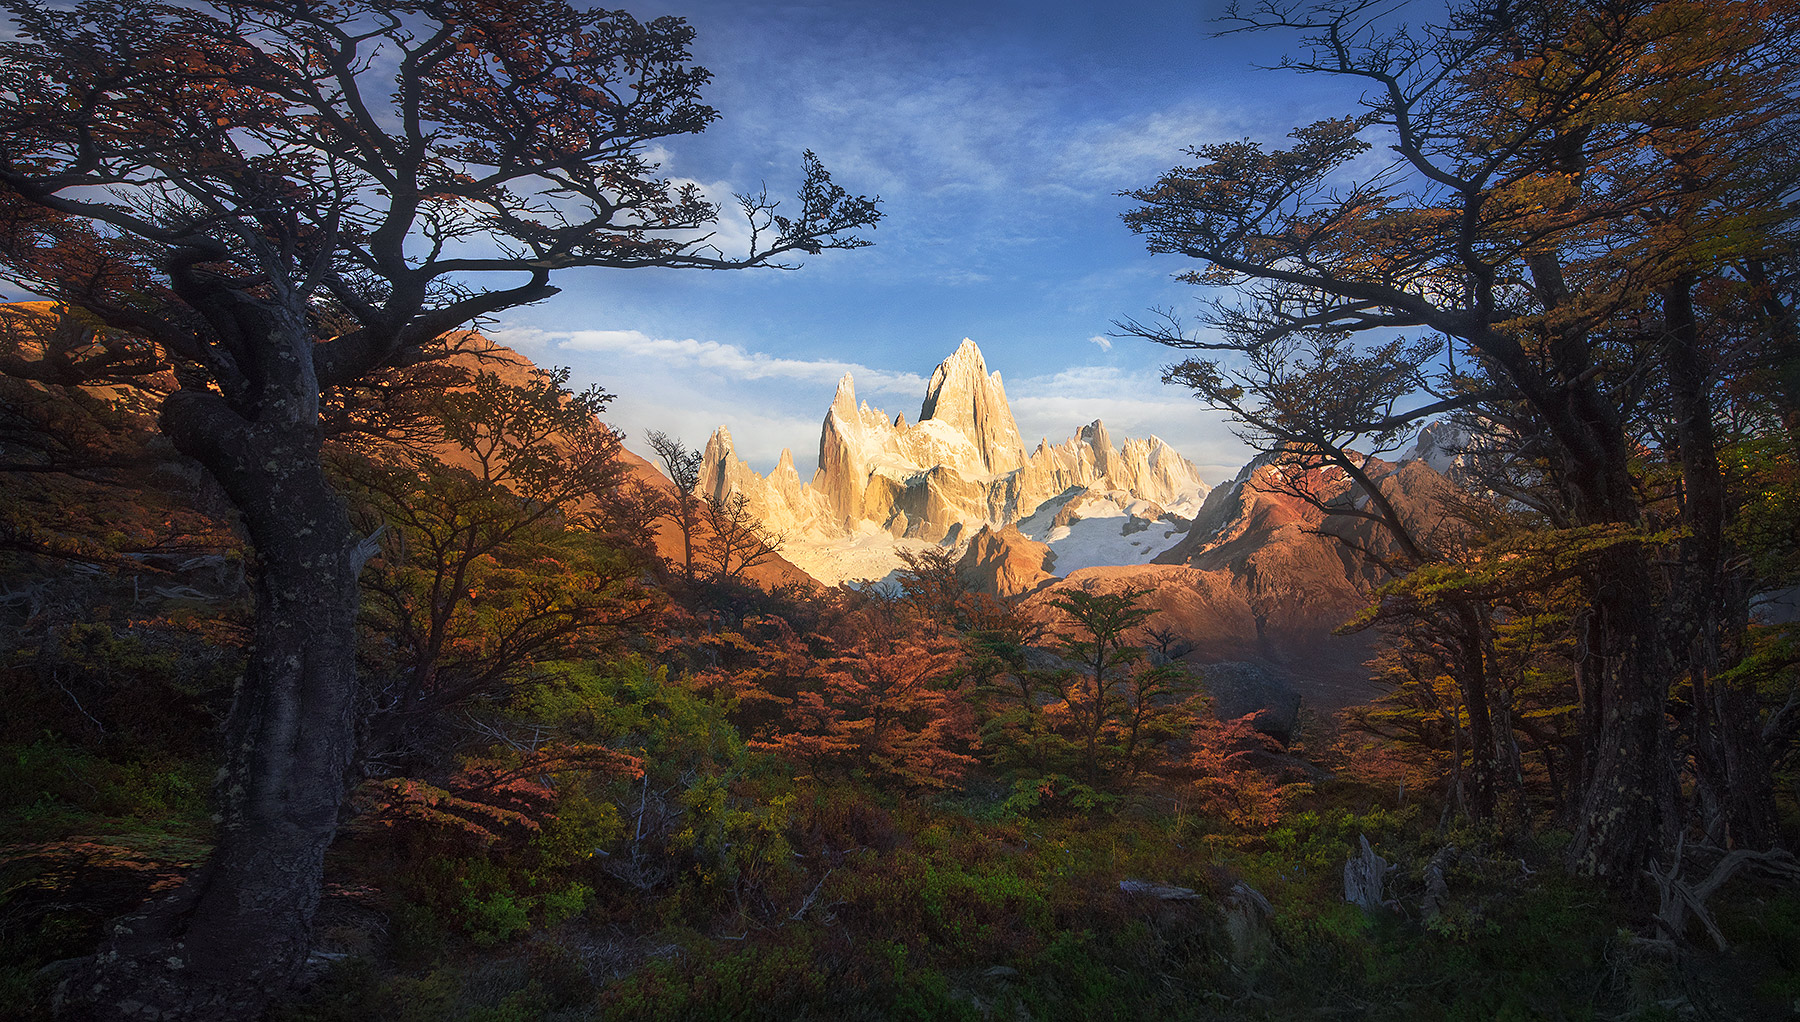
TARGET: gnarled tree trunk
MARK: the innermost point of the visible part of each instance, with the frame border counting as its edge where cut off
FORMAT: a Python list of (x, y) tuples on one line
[(237, 932)]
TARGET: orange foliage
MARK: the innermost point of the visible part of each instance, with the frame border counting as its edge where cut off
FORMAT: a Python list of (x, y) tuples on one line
[(1229, 786), (869, 692), (488, 799), (882, 706)]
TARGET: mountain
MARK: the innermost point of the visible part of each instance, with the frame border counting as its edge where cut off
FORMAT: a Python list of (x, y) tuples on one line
[(1250, 571), (883, 484), (1262, 574)]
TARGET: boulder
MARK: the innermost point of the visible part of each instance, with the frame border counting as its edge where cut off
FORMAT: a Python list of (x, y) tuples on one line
[(1250, 690), (1247, 918)]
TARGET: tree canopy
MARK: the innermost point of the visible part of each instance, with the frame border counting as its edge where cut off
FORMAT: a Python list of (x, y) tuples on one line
[(281, 200), (1575, 209)]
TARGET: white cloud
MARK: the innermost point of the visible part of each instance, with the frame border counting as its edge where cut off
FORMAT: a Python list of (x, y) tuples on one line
[(727, 359), (687, 387), (1104, 343), (1132, 150)]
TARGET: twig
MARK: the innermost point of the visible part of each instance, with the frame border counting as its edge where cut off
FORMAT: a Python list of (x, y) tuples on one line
[(97, 725), (807, 902)]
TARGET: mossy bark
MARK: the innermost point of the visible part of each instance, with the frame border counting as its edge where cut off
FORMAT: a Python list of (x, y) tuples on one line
[(237, 932)]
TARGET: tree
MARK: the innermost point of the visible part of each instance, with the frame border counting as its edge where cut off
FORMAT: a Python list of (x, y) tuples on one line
[(1114, 695), (883, 698), (1563, 178), (499, 552), (683, 467), (735, 540), (1308, 399), (279, 199), (933, 583)]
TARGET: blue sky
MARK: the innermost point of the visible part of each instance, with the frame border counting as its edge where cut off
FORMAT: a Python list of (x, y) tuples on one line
[(997, 135)]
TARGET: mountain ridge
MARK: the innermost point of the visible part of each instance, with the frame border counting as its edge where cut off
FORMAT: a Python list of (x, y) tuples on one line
[(960, 466)]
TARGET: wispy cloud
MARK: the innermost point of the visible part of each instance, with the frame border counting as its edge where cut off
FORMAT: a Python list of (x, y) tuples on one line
[(687, 387), (727, 359), (1131, 403), (1102, 342)]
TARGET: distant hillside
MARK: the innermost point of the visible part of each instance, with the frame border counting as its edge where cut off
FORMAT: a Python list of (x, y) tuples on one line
[(1263, 576)]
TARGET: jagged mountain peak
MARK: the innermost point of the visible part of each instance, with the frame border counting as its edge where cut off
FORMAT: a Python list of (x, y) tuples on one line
[(965, 363), (844, 401), (960, 466), (964, 396)]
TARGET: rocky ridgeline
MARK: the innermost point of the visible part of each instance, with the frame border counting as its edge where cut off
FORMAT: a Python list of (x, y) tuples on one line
[(961, 466), (1249, 572)]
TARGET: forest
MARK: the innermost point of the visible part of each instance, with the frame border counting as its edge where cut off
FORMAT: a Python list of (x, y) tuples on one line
[(353, 667)]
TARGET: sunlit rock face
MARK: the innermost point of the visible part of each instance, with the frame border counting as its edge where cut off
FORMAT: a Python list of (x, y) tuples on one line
[(1005, 562), (961, 466), (1263, 575)]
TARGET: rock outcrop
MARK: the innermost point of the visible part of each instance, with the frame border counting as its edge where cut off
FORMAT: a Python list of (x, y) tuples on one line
[(962, 465), (1005, 563)]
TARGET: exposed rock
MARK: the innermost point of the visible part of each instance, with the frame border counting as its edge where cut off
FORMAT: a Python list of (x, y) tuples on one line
[(1005, 563), (1247, 918), (964, 396), (961, 465), (1161, 892), (1069, 515), (1250, 690)]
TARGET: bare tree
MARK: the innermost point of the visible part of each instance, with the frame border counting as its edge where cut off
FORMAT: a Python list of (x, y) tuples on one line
[(683, 468), (735, 540)]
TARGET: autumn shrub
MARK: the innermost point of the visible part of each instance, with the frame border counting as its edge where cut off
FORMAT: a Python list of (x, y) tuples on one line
[(495, 847), (763, 979), (832, 820), (50, 788), (880, 698), (1230, 784)]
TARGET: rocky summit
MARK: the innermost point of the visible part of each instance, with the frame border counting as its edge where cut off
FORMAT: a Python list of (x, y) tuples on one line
[(883, 483)]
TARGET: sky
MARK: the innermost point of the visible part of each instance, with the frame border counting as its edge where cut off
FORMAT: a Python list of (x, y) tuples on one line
[(997, 135)]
